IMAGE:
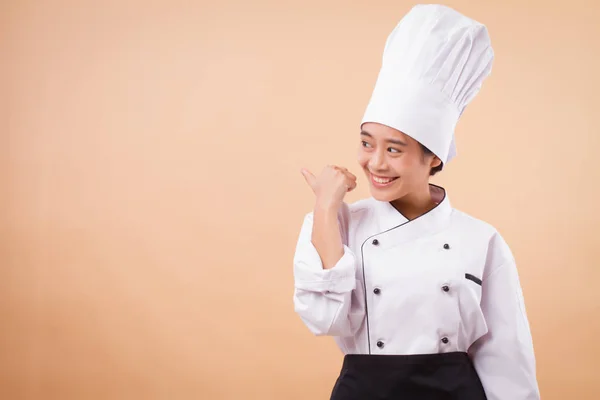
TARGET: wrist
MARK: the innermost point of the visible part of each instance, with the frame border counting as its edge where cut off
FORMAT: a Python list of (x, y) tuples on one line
[(326, 207)]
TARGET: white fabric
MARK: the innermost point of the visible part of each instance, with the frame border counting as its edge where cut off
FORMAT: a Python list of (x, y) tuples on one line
[(434, 63), (412, 313)]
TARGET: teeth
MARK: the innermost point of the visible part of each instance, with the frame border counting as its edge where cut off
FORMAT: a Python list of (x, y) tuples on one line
[(379, 180)]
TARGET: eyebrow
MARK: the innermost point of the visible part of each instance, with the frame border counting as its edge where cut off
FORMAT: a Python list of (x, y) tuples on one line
[(394, 141)]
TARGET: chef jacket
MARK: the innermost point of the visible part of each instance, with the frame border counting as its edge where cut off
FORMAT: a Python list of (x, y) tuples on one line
[(443, 282)]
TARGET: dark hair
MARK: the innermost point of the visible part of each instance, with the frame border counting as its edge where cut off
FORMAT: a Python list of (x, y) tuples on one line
[(434, 170)]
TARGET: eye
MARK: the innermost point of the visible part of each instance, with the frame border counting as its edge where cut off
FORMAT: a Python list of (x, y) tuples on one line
[(365, 144), (395, 150)]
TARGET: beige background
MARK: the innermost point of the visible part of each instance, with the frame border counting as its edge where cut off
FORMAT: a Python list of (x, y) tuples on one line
[(151, 195)]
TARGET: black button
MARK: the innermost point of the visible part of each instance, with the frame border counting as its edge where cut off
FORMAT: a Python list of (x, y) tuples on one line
[(445, 288), (446, 246), (375, 242), (380, 344), (444, 340), (376, 290)]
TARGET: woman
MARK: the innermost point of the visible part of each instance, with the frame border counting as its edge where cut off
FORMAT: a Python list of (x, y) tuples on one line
[(424, 300)]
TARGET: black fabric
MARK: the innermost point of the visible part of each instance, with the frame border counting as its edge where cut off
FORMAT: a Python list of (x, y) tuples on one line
[(473, 278), (444, 376)]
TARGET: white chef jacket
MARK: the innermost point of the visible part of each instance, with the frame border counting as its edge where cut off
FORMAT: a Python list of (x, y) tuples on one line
[(442, 282)]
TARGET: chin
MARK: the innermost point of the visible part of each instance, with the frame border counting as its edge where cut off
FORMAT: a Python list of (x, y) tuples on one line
[(384, 195)]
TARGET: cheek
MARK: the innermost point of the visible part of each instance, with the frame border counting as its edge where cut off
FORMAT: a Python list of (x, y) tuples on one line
[(414, 169), (363, 159), (407, 168), (400, 165)]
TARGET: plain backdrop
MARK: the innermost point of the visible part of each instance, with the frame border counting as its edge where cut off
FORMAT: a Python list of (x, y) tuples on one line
[(151, 195)]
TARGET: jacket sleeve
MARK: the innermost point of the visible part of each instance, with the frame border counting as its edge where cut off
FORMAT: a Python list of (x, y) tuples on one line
[(504, 357), (322, 297)]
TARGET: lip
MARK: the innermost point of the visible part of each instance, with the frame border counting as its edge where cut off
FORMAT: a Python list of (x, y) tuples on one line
[(381, 185)]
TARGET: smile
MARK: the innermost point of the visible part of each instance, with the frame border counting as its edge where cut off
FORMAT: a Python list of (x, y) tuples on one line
[(381, 181)]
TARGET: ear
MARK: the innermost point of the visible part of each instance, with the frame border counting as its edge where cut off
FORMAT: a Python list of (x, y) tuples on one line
[(435, 162)]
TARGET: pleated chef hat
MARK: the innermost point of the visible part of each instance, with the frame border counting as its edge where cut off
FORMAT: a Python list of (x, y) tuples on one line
[(434, 63)]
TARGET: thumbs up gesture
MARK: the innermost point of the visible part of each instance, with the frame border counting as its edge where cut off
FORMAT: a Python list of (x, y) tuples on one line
[(331, 185)]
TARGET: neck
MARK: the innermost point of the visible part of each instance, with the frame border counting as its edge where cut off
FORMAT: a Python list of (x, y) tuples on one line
[(414, 204)]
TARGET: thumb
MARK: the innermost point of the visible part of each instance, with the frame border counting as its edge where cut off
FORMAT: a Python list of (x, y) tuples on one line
[(309, 177)]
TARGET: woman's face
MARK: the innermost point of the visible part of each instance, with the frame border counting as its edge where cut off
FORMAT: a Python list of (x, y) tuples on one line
[(393, 162)]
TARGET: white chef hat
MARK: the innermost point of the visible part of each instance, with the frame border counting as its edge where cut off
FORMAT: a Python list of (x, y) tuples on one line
[(434, 63)]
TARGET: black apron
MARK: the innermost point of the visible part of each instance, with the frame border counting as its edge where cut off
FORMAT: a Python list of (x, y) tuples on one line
[(444, 376)]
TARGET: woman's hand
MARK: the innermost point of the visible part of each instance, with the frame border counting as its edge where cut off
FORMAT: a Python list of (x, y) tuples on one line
[(331, 185)]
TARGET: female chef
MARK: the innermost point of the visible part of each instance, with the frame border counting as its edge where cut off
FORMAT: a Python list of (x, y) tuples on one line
[(423, 300)]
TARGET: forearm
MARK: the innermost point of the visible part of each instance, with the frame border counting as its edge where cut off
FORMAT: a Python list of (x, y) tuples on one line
[(326, 235), (323, 290)]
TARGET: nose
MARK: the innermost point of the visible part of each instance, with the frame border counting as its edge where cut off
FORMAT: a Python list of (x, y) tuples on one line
[(377, 161)]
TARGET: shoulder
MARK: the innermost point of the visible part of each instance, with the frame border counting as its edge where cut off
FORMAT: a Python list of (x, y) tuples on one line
[(484, 235), (360, 207), (472, 224)]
